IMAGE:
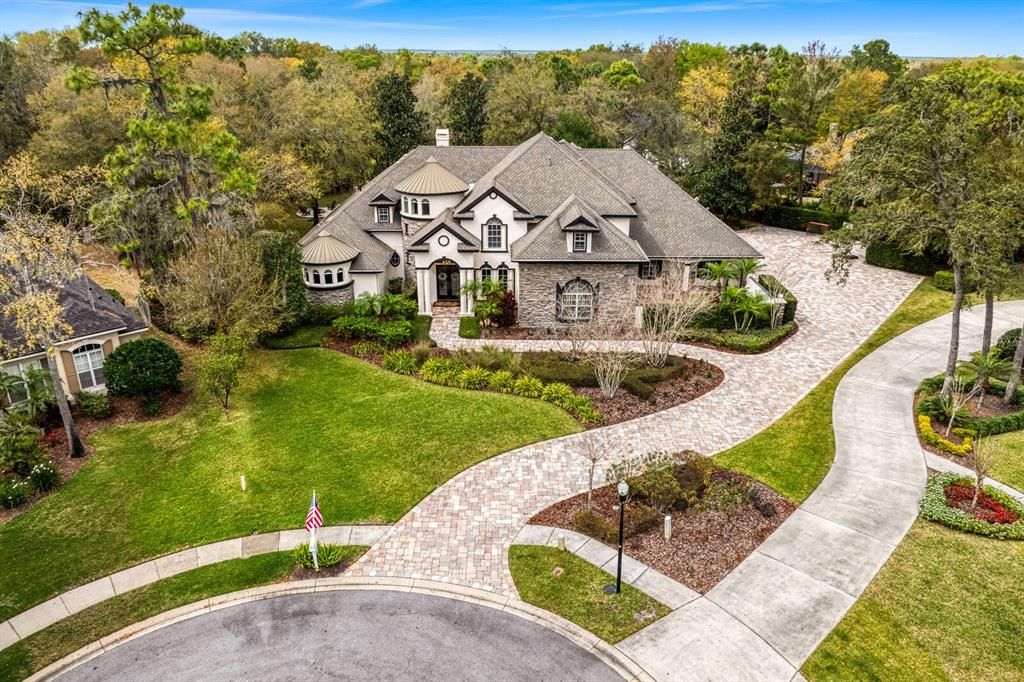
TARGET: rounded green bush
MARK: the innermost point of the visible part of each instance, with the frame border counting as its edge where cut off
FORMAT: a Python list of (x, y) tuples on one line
[(1007, 344), (146, 367), (944, 280), (502, 381), (558, 393), (400, 362), (528, 387), (474, 378), (96, 405)]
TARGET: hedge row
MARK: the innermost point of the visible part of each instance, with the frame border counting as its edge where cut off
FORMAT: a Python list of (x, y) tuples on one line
[(797, 217), (773, 285), (885, 255), (929, 436), (751, 342), (934, 508), (388, 333)]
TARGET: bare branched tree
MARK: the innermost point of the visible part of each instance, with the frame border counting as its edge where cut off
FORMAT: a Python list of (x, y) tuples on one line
[(986, 457), (669, 306), (959, 397), (613, 354), (595, 449), (578, 336)]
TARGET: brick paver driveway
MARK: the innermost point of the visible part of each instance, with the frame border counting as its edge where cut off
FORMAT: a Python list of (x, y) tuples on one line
[(461, 532)]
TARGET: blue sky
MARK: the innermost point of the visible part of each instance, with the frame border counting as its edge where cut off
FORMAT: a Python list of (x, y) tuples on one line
[(914, 27)]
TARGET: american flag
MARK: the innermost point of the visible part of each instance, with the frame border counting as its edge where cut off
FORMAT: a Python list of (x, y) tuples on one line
[(314, 519)]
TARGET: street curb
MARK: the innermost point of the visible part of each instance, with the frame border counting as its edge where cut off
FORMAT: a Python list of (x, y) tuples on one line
[(608, 653)]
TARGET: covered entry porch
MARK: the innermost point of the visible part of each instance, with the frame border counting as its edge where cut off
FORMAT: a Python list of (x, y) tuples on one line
[(442, 282)]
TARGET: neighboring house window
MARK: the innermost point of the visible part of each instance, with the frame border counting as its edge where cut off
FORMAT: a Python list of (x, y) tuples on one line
[(650, 270), (383, 214), (316, 277), (579, 242), (415, 207), (485, 272), (305, 273), (17, 392), (328, 277), (576, 302), (425, 207), (495, 235), (341, 275), (89, 365), (503, 275)]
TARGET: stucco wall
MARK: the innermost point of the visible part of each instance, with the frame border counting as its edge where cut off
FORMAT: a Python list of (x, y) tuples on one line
[(537, 286)]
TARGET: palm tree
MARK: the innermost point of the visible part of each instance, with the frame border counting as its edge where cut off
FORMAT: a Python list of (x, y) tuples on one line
[(985, 366), (720, 272), (745, 267)]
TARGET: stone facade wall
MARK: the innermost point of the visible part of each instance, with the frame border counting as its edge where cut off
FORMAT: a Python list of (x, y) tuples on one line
[(612, 283), (330, 296)]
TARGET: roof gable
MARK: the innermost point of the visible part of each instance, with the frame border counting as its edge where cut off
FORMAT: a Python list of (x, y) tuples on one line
[(547, 241)]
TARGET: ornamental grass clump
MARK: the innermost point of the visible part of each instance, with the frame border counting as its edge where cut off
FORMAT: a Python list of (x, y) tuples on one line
[(400, 362), (502, 381), (442, 371), (558, 394), (474, 378), (528, 387), (327, 554)]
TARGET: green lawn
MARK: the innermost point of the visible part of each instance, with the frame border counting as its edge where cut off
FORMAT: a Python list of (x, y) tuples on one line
[(308, 336), (794, 454), (1009, 468), (371, 442), (74, 632), (578, 593), (947, 605)]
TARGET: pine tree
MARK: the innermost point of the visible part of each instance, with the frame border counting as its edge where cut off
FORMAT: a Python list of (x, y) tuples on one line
[(720, 184), (402, 127)]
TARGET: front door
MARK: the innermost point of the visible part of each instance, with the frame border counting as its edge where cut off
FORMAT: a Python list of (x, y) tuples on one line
[(447, 282)]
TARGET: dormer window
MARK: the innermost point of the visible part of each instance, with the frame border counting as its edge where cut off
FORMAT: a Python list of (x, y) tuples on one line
[(424, 207), (383, 214), (579, 242), (494, 233)]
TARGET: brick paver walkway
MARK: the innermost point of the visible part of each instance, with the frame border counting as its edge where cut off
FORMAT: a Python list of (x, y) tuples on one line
[(462, 531)]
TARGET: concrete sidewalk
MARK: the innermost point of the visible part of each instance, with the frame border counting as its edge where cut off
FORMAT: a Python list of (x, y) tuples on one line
[(767, 616)]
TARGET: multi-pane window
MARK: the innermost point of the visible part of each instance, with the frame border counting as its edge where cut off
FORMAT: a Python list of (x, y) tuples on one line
[(341, 275), (485, 272), (503, 275), (17, 391), (328, 277), (650, 269), (576, 303), (424, 207), (405, 204), (415, 207), (495, 234), (89, 365), (383, 214), (579, 242)]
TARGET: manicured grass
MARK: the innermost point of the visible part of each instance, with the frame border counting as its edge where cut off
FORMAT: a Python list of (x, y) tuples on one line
[(794, 454), (947, 605), (307, 336), (578, 593), (469, 328), (74, 632), (372, 443), (1009, 468)]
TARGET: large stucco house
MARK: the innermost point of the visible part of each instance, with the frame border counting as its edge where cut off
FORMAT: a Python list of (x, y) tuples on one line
[(567, 229), (98, 324)]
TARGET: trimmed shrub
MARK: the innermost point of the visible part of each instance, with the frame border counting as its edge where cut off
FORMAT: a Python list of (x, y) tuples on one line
[(751, 342), (502, 381), (400, 362), (13, 492), (469, 328), (321, 314), (1007, 344), (558, 394), (934, 508), (797, 217), (528, 387), (885, 255), (44, 476), (929, 436), (773, 285), (991, 426), (944, 280), (146, 367), (96, 405), (327, 554), (443, 371), (388, 333), (474, 378)]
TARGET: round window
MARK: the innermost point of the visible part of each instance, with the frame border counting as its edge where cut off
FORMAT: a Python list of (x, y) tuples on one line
[(396, 260), (443, 240)]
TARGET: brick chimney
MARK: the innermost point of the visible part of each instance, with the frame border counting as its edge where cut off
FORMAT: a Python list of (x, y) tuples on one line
[(441, 137)]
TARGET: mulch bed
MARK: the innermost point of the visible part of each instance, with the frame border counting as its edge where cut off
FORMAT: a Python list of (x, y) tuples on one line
[(705, 546), (697, 381), (992, 407), (55, 442)]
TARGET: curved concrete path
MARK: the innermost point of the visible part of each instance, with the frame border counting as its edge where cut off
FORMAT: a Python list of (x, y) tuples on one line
[(767, 616), (67, 603)]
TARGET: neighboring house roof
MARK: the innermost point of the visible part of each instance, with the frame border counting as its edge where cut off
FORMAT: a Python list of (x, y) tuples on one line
[(537, 176), (547, 241), (326, 249), (444, 221), (432, 178), (88, 308)]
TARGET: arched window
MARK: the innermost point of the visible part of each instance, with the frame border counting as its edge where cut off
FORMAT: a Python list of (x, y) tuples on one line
[(576, 302), (425, 207), (415, 207), (494, 231), (503, 275), (485, 272), (89, 365), (405, 204), (341, 275), (305, 273), (316, 277), (328, 277)]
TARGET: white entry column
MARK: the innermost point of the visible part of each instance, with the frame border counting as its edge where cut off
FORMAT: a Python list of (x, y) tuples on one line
[(686, 277), (422, 295), (464, 296)]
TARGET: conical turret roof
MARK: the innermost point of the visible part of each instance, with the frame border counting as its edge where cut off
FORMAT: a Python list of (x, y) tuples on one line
[(326, 249), (432, 178)]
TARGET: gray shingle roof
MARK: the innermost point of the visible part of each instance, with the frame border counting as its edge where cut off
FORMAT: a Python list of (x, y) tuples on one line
[(547, 241), (468, 241), (88, 308)]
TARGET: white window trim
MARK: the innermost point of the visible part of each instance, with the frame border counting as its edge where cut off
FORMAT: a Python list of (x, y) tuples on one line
[(87, 352), (576, 236), (576, 301), (19, 371), (487, 235), (387, 214)]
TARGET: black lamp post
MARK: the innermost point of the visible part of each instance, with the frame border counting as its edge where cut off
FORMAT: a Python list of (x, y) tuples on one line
[(623, 490)]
